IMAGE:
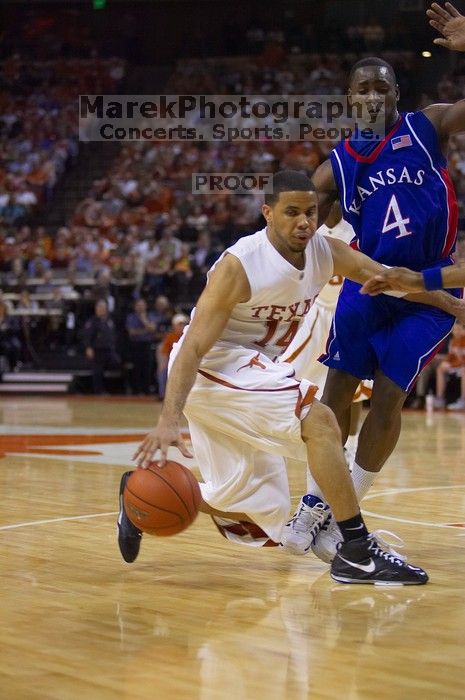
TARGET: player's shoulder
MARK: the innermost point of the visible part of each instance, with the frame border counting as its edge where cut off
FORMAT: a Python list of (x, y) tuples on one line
[(424, 126), (341, 231), (248, 244), (319, 247), (422, 119)]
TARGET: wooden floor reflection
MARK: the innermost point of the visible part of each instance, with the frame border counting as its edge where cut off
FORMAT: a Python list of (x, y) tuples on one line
[(197, 618)]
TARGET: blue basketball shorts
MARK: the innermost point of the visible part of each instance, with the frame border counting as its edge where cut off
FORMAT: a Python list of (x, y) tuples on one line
[(384, 333)]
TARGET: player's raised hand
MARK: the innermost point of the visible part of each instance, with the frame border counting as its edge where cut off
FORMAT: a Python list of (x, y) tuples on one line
[(165, 434), (450, 23), (395, 279)]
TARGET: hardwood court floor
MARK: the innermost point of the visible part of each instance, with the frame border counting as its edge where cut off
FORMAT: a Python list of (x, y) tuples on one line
[(196, 617)]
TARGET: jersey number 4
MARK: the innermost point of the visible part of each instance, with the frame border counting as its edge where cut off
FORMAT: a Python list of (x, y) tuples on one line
[(394, 219)]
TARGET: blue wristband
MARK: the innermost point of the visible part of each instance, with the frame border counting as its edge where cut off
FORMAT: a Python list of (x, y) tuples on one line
[(432, 279)]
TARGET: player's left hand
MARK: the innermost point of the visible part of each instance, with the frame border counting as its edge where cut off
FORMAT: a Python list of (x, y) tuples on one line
[(450, 23), (394, 279)]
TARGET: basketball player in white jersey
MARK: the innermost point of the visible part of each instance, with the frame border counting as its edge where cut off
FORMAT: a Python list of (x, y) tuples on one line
[(247, 412)]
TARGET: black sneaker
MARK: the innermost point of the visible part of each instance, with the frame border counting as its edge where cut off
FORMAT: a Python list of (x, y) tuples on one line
[(365, 561), (129, 536)]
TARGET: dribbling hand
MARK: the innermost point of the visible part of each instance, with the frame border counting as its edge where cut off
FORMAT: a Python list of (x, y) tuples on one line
[(160, 438)]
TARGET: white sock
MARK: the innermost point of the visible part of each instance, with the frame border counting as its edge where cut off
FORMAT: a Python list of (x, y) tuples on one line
[(352, 442), (362, 480), (312, 486)]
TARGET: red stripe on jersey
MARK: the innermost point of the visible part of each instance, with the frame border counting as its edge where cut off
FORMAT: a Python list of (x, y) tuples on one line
[(453, 214), (223, 382), (372, 157), (249, 531)]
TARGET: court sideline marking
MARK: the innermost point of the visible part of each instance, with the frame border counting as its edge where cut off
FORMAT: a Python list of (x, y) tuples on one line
[(57, 520), (377, 494)]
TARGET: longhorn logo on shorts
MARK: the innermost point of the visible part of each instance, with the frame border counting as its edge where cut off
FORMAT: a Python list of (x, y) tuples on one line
[(254, 362)]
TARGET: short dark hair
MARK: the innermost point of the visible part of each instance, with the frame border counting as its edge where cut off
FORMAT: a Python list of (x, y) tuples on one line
[(372, 61), (288, 181)]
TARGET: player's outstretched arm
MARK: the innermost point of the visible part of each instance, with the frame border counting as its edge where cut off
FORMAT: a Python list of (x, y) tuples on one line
[(228, 286), (447, 119), (360, 268), (402, 279), (397, 279), (351, 263)]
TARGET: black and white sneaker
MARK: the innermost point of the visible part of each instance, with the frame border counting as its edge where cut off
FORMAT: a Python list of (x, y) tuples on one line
[(365, 561), (129, 536)]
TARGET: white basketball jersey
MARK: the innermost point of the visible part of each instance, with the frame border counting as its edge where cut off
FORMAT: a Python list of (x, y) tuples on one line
[(342, 231), (281, 295)]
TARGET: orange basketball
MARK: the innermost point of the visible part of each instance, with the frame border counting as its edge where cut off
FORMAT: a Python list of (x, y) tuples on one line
[(162, 500)]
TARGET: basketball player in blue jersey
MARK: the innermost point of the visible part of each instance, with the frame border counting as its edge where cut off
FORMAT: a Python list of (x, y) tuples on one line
[(397, 195)]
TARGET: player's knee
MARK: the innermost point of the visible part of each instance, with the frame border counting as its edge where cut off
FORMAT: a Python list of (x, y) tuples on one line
[(320, 421), (339, 388), (388, 400)]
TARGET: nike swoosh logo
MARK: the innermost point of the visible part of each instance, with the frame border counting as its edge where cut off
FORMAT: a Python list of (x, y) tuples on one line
[(359, 527), (368, 568)]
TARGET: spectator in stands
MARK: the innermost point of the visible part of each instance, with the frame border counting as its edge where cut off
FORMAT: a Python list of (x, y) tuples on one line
[(13, 211), (156, 269), (197, 219), (141, 326), (10, 345), (100, 345), (26, 197), (181, 276), (7, 303), (28, 325), (25, 302), (373, 34), (160, 264), (163, 351), (16, 275), (203, 255), (82, 262), (38, 264), (56, 331), (163, 313), (46, 285), (454, 363), (102, 289)]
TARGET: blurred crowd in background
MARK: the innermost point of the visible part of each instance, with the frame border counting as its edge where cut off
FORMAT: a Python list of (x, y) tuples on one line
[(130, 259)]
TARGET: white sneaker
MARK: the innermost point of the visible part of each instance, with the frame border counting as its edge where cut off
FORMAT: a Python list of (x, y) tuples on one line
[(458, 405), (300, 532), (326, 541)]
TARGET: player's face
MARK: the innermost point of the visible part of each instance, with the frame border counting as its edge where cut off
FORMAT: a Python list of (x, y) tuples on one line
[(374, 87), (292, 221)]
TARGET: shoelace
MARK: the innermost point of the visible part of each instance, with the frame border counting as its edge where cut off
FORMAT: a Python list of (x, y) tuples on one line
[(331, 529), (306, 516), (379, 544)]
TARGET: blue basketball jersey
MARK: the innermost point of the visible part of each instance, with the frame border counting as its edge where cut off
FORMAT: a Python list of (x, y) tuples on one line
[(398, 196)]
